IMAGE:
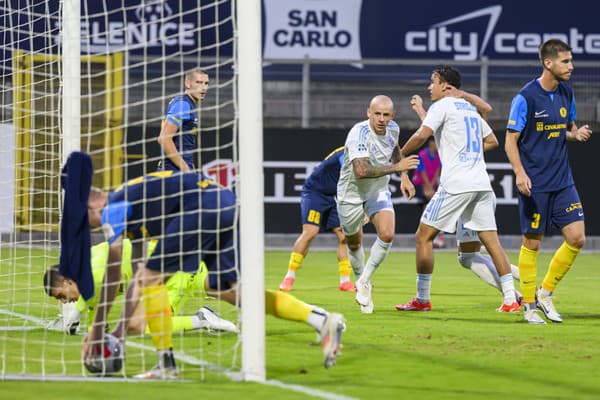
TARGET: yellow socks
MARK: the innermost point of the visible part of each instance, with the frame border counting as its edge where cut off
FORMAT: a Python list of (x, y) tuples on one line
[(295, 261), (158, 316), (345, 269), (559, 266), (286, 306), (527, 270)]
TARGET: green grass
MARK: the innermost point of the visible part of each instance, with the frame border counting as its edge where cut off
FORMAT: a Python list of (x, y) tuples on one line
[(462, 349)]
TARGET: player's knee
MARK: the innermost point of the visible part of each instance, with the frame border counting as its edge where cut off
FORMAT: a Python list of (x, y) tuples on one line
[(386, 237), (422, 238), (577, 241), (354, 246), (466, 259), (136, 326)]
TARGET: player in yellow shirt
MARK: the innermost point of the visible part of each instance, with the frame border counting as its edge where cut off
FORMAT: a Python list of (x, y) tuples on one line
[(180, 286)]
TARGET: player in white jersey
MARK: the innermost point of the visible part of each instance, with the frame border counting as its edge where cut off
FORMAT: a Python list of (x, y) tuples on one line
[(371, 154), (467, 240), (465, 191)]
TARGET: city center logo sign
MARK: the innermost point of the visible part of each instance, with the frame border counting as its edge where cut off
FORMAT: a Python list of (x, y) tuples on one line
[(463, 39), (316, 29), (463, 45)]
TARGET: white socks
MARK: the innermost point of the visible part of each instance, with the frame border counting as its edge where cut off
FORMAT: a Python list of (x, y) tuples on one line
[(508, 288), (423, 287), (379, 251), (357, 260)]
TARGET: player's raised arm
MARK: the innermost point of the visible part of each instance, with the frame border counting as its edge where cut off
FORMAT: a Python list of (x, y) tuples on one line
[(482, 106)]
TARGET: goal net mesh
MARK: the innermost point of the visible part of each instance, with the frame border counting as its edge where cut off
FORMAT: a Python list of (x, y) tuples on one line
[(134, 56)]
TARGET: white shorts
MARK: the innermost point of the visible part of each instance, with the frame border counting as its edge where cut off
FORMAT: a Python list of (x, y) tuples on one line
[(474, 209), (352, 216), (464, 235)]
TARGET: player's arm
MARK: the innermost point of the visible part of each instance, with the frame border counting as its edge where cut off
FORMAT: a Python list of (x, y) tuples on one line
[(517, 120), (133, 256), (110, 286), (165, 139), (364, 169), (578, 134), (490, 142), (416, 103), (406, 186), (512, 152), (417, 140), (482, 106)]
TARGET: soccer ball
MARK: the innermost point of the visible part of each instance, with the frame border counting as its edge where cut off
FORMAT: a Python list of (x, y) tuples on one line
[(111, 358)]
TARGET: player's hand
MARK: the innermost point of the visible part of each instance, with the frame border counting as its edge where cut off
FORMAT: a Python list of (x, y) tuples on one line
[(583, 133), (90, 342), (523, 184), (454, 92), (410, 162), (428, 191), (407, 187), (416, 102)]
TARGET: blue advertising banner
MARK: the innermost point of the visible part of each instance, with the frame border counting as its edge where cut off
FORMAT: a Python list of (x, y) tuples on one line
[(463, 30), (153, 27)]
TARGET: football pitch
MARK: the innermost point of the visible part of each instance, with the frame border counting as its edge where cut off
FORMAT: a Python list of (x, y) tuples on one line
[(462, 349)]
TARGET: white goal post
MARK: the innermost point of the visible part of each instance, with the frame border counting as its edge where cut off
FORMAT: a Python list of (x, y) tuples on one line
[(98, 77)]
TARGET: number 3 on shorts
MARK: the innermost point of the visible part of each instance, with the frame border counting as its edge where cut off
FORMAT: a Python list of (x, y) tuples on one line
[(535, 224)]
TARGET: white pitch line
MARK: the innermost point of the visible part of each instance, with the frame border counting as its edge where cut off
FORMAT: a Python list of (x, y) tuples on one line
[(38, 321), (179, 356)]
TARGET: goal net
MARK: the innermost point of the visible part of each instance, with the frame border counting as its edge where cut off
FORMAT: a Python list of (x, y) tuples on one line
[(98, 77)]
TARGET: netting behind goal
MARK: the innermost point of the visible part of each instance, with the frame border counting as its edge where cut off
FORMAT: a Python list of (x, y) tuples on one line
[(134, 56)]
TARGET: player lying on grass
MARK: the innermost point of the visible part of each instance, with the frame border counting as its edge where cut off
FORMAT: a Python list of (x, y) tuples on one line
[(181, 286)]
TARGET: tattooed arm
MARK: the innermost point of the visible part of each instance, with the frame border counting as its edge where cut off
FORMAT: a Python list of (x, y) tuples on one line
[(364, 169)]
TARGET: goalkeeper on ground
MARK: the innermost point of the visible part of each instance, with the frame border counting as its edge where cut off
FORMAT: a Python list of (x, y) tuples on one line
[(180, 286)]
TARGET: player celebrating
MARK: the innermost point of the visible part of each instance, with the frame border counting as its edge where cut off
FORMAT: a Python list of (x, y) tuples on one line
[(469, 246), (180, 286), (319, 213), (465, 191), (193, 218), (363, 189), (542, 119), (178, 135)]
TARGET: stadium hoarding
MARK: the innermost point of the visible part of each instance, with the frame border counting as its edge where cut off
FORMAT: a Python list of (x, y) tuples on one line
[(463, 30), (291, 154), (151, 27)]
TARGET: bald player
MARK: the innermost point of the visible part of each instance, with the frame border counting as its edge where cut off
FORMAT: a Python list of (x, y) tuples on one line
[(371, 154)]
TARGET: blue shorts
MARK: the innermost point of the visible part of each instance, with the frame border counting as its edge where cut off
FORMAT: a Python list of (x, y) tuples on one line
[(206, 234), (319, 209), (549, 209)]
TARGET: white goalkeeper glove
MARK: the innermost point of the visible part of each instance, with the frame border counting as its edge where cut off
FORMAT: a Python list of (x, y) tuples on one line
[(67, 320)]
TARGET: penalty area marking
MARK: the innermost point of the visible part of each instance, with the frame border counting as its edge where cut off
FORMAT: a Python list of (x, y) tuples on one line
[(41, 323)]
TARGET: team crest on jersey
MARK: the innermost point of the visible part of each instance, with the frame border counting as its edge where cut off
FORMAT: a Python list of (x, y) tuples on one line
[(563, 112)]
